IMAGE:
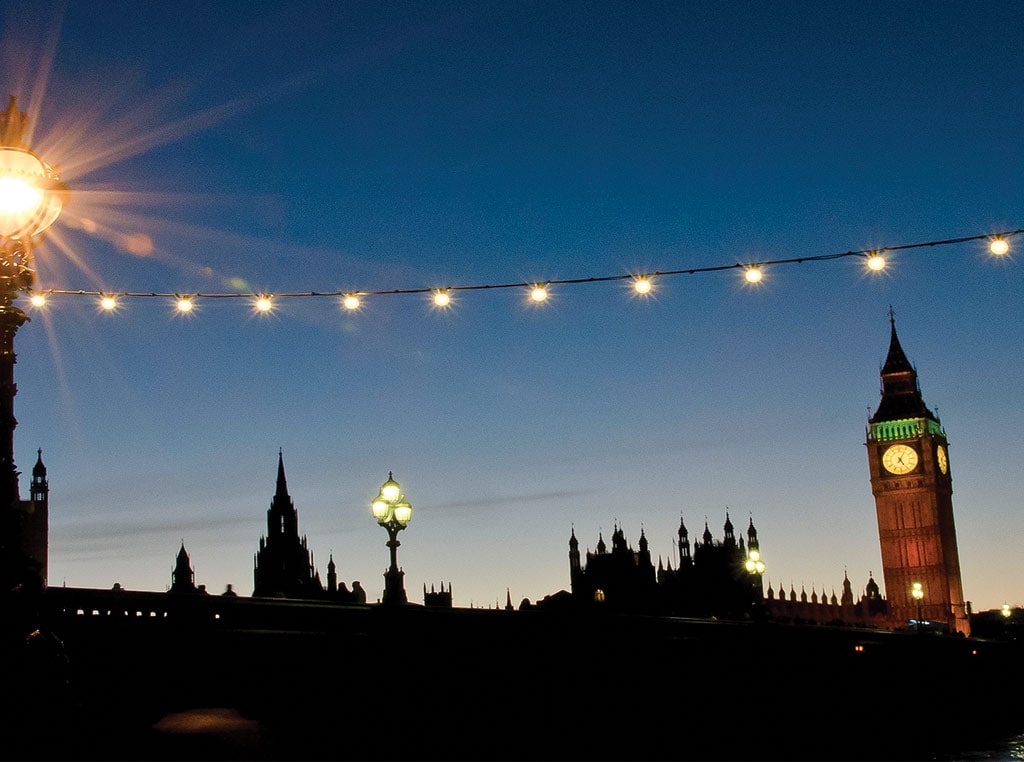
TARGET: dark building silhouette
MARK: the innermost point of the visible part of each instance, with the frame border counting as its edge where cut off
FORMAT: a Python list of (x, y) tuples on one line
[(183, 576), (710, 579), (438, 598), (869, 610), (283, 566), (910, 478), (24, 534)]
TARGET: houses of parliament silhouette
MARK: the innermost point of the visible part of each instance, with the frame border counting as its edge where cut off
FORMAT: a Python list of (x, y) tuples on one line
[(638, 643)]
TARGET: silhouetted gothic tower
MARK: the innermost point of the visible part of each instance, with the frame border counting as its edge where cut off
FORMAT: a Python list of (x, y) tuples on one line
[(282, 566), (183, 577), (910, 477)]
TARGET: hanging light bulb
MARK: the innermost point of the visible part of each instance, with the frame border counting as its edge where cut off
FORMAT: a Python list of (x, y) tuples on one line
[(753, 274), (350, 302), (538, 293), (999, 246), (108, 303), (642, 285), (876, 261), (442, 298), (263, 303), (37, 299), (184, 304)]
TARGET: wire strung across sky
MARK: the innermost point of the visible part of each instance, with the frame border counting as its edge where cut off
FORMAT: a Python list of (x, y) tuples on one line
[(875, 259)]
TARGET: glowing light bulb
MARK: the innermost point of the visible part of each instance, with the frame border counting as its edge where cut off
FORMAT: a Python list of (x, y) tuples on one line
[(108, 303), (538, 294), (350, 302), (642, 285), (876, 262), (442, 298), (37, 300), (999, 246), (753, 274), (18, 197), (184, 304), (263, 304)]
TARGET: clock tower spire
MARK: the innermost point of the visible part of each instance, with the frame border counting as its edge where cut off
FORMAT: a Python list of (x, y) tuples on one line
[(910, 479)]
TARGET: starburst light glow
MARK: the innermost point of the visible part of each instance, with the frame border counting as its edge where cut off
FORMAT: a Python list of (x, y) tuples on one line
[(753, 274), (263, 304), (999, 246), (184, 304), (108, 303), (442, 298), (350, 302), (642, 284), (538, 294), (37, 300), (18, 196), (876, 262)]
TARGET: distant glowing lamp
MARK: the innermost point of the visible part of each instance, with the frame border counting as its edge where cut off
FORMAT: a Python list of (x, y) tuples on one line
[(263, 303), (754, 563), (999, 246), (1005, 611), (442, 298), (753, 274), (350, 302), (184, 304), (876, 261), (538, 294), (37, 300), (917, 591), (108, 303)]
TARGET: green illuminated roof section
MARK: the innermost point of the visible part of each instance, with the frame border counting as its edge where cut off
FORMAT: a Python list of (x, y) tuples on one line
[(905, 428)]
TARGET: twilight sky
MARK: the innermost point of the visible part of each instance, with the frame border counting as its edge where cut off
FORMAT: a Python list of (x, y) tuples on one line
[(297, 147)]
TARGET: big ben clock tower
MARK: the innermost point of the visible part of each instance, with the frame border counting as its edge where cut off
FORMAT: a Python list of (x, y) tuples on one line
[(910, 478)]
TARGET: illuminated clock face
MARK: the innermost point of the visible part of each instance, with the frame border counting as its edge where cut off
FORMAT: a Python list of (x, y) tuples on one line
[(900, 459), (940, 455)]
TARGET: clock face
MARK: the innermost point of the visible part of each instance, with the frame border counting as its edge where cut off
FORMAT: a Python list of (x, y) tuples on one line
[(940, 455), (899, 459)]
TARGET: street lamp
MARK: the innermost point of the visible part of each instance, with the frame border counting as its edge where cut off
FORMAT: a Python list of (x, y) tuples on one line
[(754, 563), (393, 513), (755, 568), (918, 592), (31, 198)]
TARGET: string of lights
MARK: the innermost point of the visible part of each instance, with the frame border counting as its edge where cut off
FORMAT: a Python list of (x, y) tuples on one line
[(875, 260)]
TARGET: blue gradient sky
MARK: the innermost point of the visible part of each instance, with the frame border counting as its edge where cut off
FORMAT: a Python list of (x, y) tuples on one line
[(320, 146)]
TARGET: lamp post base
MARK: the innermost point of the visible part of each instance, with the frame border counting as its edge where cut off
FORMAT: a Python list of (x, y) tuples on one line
[(394, 587)]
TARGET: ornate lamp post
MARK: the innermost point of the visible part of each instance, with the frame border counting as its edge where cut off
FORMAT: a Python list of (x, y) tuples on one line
[(918, 592), (31, 198), (393, 513)]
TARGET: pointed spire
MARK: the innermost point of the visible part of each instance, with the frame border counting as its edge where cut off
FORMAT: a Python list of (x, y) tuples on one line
[(901, 395), (282, 483)]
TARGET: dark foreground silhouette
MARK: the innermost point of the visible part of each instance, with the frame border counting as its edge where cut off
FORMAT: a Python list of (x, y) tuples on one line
[(287, 680)]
